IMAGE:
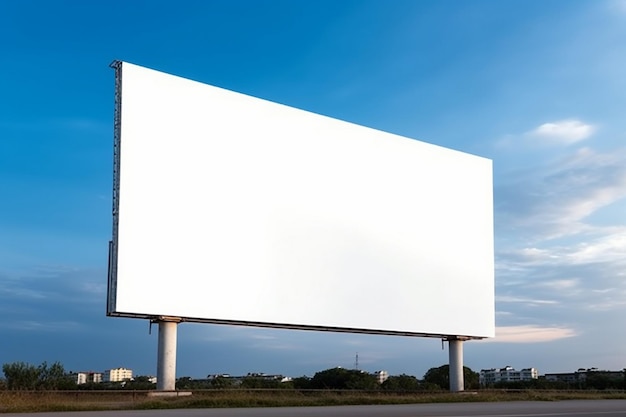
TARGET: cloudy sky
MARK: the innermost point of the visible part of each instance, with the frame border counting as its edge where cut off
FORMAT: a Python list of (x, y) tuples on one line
[(539, 87)]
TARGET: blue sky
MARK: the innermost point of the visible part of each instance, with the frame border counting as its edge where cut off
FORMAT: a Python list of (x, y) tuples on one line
[(537, 86)]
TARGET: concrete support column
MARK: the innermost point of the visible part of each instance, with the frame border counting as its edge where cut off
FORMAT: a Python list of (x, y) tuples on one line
[(166, 355), (455, 346)]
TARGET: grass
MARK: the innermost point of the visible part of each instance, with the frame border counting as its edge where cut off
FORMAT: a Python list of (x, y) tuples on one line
[(41, 401)]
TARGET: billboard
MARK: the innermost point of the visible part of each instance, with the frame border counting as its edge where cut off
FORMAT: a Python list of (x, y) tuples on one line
[(233, 209)]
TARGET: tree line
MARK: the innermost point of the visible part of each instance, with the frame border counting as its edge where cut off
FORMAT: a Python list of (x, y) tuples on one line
[(24, 376)]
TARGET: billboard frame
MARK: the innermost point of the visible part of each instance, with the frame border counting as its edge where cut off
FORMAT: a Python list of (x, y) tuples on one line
[(112, 287), (166, 322)]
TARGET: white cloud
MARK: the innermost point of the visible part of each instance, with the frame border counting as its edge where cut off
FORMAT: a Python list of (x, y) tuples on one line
[(554, 200), (564, 278), (51, 284), (530, 334), (615, 300), (608, 247), (564, 131), (560, 284), (523, 300)]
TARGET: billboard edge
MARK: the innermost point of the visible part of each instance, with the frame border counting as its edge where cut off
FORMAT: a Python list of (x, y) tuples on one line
[(113, 244)]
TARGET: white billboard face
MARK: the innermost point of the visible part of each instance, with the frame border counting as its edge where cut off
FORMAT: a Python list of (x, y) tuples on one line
[(233, 209)]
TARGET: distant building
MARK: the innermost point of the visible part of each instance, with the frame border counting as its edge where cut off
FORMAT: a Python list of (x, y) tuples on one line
[(258, 375), (267, 377), (506, 374), (582, 375), (87, 377), (118, 374), (569, 377), (381, 376)]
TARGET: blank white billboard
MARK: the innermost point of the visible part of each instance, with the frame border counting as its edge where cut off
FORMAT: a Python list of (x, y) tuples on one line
[(233, 209)]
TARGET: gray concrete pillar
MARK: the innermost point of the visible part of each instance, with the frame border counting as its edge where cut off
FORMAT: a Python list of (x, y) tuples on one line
[(166, 356), (455, 346)]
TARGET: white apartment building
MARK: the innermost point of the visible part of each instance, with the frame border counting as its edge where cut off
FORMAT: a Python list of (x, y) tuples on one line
[(85, 377), (506, 374), (118, 374), (381, 376)]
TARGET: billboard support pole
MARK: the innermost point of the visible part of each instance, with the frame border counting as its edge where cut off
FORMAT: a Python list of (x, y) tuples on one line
[(455, 345), (166, 353)]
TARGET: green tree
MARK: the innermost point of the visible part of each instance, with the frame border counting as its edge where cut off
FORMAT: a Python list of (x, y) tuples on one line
[(538, 384), (222, 382), (401, 383), (340, 378), (441, 377), (24, 376), (252, 381), (94, 386), (602, 380), (54, 377), (21, 376), (302, 382), (186, 382)]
